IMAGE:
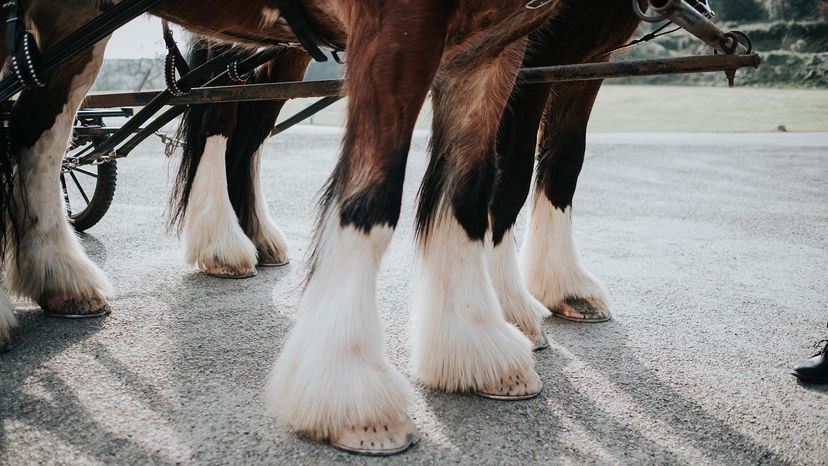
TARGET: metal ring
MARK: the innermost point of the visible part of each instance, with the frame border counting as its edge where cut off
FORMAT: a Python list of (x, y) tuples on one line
[(735, 34), (650, 19)]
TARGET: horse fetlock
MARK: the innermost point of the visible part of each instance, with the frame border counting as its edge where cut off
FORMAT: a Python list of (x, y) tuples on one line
[(225, 252), (552, 270), (271, 247), (326, 391), (519, 306), (526, 313)]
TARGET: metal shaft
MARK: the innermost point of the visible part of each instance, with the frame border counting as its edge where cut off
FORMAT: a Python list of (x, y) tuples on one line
[(684, 15), (292, 90), (623, 69)]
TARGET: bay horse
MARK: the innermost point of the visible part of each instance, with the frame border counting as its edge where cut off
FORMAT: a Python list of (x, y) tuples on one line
[(332, 379)]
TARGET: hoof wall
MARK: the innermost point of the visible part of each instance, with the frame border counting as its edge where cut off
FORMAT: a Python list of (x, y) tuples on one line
[(107, 311), (230, 272), (378, 439), (273, 263), (539, 342), (514, 387), (582, 310), (67, 306)]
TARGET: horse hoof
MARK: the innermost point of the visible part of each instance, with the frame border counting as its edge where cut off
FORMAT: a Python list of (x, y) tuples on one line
[(73, 306), (273, 263), (539, 341), (522, 385), (228, 271), (591, 310), (378, 439)]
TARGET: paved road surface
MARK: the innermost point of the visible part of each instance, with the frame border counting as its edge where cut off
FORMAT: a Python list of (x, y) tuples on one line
[(714, 249)]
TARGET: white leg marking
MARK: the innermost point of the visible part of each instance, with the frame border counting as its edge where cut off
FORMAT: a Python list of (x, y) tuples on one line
[(332, 374), (213, 238), (461, 340), (7, 321), (519, 306), (267, 237), (550, 263), (52, 267)]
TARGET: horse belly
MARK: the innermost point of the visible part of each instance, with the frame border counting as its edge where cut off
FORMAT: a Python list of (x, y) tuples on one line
[(253, 22)]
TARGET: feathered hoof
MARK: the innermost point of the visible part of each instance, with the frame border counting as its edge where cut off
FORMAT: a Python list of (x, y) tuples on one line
[(75, 305), (272, 256), (378, 439), (521, 385), (229, 271), (592, 310)]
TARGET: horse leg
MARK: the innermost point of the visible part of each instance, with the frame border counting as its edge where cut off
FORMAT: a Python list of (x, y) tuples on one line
[(255, 121), (461, 340), (332, 378), (549, 261), (7, 320), (213, 239), (45, 261), (516, 142)]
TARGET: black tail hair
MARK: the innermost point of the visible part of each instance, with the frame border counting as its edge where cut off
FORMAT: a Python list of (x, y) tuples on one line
[(8, 160), (7, 153)]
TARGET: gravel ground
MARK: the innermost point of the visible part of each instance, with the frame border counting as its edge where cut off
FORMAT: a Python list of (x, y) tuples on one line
[(714, 249)]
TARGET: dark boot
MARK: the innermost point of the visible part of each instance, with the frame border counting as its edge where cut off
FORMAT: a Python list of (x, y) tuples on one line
[(814, 369)]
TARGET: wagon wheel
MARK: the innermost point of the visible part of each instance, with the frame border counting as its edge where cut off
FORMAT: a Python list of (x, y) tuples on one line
[(88, 191)]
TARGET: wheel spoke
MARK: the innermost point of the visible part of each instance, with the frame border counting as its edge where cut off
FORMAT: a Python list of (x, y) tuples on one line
[(85, 172), (80, 188)]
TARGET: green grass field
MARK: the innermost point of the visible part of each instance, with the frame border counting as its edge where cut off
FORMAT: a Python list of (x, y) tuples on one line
[(675, 109)]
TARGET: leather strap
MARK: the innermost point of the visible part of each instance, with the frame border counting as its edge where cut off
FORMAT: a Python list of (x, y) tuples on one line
[(174, 61), (22, 48), (14, 22), (307, 36)]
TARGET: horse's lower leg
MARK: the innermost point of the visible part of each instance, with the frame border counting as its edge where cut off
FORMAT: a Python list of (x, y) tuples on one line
[(214, 241), (7, 320), (549, 261), (271, 246), (332, 378), (516, 143), (48, 264), (255, 121), (462, 341)]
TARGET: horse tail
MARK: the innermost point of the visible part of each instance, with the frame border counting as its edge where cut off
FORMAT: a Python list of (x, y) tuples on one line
[(7, 152)]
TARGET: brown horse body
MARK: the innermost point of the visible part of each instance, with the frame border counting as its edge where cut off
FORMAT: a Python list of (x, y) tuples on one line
[(332, 379)]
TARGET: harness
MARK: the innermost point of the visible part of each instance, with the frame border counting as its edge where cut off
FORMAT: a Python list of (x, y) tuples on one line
[(293, 13), (309, 38), (21, 47)]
